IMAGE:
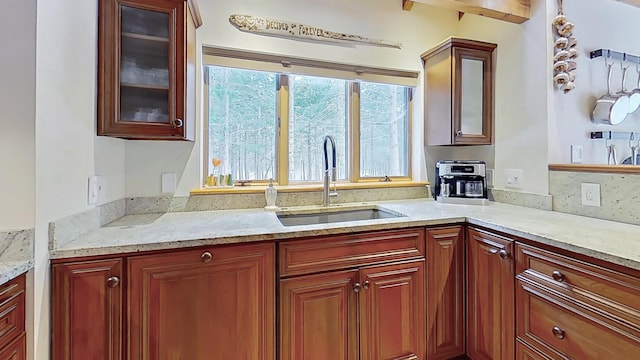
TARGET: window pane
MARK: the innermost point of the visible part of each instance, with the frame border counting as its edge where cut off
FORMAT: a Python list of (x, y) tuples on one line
[(242, 123), (384, 130), (317, 107)]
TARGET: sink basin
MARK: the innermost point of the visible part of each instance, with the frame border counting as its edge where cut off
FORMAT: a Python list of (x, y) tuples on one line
[(334, 215)]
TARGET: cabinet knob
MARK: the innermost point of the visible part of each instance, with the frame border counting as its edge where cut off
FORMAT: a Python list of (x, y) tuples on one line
[(206, 257), (459, 133), (356, 287), (177, 123), (557, 332), (557, 275), (504, 254), (365, 284), (113, 281)]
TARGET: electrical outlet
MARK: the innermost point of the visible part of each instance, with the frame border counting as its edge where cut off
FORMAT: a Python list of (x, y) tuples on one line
[(590, 194), (514, 178), (576, 154)]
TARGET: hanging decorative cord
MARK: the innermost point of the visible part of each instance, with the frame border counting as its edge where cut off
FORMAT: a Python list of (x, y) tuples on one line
[(565, 52)]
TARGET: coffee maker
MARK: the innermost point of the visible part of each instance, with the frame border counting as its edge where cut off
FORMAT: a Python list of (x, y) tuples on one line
[(460, 179)]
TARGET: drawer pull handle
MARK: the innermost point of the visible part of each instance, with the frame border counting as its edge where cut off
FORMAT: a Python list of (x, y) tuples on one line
[(504, 254), (113, 282), (557, 276), (365, 284), (557, 332), (356, 287), (206, 257)]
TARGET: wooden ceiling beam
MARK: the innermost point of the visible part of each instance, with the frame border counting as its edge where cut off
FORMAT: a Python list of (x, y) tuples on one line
[(635, 3), (515, 11), (407, 5)]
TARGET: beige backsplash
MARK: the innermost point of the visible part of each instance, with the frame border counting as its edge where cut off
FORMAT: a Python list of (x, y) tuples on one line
[(619, 195), (161, 204)]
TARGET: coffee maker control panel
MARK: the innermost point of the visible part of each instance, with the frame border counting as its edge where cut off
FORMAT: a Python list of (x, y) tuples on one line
[(462, 169)]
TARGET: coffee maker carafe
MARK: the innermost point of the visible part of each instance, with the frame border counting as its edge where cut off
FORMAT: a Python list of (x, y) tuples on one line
[(460, 179)]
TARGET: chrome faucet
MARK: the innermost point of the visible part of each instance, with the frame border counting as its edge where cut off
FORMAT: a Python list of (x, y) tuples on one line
[(326, 194)]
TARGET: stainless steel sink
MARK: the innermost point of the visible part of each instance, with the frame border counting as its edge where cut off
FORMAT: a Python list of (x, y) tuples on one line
[(334, 215)]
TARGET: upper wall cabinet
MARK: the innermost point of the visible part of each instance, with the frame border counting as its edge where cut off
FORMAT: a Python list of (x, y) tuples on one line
[(146, 69), (458, 93)]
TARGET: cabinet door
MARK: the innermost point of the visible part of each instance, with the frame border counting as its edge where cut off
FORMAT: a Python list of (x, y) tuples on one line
[(17, 350), (458, 90), (142, 69), (318, 316), (473, 94), (216, 303), (86, 310), (392, 312), (445, 293), (491, 297)]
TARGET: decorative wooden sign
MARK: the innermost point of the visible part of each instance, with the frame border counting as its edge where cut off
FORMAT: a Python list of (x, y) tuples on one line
[(291, 30)]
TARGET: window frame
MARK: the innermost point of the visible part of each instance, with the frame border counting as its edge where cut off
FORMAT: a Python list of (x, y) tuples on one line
[(226, 59)]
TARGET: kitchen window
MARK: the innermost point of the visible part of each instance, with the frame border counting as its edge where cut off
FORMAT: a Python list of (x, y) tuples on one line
[(263, 123)]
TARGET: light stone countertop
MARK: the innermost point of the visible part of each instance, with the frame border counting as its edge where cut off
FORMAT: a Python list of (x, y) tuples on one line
[(16, 253), (618, 243)]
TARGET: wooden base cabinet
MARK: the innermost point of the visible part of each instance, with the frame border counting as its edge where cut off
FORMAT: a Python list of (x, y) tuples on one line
[(445, 293), (86, 315), (364, 311), (197, 304), (17, 350), (210, 304), (490, 296), (574, 309), (12, 319), (319, 316)]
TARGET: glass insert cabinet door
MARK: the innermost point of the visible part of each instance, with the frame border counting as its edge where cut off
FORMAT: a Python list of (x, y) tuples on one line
[(473, 89), (145, 62), (458, 94), (144, 65)]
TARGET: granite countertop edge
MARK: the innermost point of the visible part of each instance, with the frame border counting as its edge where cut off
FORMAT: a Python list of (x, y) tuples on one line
[(10, 270), (602, 239)]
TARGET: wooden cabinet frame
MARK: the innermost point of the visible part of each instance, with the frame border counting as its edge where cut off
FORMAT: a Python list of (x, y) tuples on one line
[(184, 18), (443, 92)]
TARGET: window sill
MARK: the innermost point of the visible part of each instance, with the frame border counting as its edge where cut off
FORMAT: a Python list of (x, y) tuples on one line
[(251, 189)]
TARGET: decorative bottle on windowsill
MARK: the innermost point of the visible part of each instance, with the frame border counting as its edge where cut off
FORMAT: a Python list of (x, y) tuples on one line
[(270, 194)]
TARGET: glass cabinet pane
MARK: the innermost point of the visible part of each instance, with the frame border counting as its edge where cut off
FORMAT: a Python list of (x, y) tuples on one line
[(144, 65), (472, 96), (144, 22)]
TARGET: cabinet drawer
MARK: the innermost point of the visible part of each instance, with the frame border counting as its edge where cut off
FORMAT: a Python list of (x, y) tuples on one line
[(11, 310), (560, 325), (605, 289), (17, 350), (344, 251)]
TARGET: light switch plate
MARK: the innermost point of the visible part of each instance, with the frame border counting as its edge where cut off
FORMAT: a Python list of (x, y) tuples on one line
[(168, 182), (92, 193), (576, 154), (590, 194)]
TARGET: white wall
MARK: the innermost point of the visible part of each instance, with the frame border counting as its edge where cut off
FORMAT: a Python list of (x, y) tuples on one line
[(609, 25), (521, 103), (418, 30), (17, 114), (67, 151)]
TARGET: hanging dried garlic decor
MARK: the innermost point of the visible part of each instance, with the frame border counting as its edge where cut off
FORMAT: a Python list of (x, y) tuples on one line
[(565, 52)]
